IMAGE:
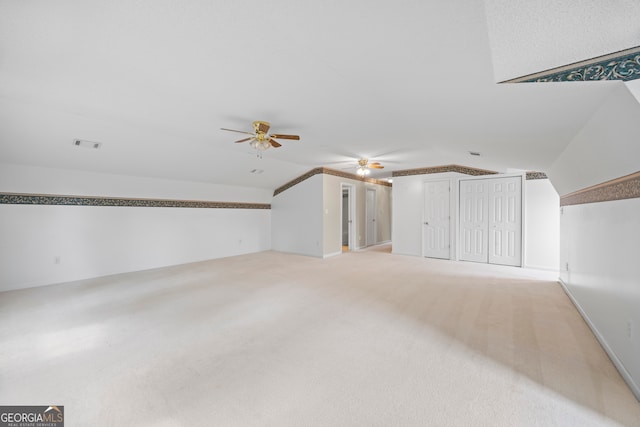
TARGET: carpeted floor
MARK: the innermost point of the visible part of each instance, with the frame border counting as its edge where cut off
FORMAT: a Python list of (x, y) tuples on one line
[(365, 338)]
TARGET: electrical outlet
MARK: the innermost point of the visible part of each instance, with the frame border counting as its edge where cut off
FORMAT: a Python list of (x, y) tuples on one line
[(239, 241), (629, 329), (566, 266), (56, 259)]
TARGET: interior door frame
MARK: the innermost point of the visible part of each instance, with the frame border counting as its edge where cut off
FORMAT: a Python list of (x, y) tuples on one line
[(351, 205)]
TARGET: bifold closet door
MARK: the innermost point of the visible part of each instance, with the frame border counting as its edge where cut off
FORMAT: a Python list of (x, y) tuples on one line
[(491, 220), (505, 221), (474, 221)]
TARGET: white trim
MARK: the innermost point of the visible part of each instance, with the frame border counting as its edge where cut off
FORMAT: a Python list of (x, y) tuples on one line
[(618, 364), (331, 255)]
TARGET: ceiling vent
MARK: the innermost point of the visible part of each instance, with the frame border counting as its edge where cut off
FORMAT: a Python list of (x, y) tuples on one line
[(86, 144), (474, 153), (257, 171)]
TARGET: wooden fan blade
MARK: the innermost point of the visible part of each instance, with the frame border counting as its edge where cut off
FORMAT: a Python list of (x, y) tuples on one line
[(239, 131), (243, 140), (376, 166), (296, 137), (274, 143)]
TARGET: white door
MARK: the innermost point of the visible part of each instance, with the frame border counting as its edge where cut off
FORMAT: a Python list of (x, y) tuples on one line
[(505, 221), (371, 216), (473, 220), (437, 220)]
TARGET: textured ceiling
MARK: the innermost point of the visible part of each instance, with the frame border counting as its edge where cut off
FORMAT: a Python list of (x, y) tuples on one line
[(408, 83)]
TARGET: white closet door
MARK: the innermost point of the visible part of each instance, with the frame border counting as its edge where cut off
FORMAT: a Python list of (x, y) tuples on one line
[(474, 223), (437, 220), (505, 221)]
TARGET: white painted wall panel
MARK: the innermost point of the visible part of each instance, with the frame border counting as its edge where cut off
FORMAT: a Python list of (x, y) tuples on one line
[(42, 245), (297, 218), (94, 241), (600, 246), (542, 225)]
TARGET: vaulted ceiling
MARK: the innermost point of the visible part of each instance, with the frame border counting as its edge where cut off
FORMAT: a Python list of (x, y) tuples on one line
[(409, 83)]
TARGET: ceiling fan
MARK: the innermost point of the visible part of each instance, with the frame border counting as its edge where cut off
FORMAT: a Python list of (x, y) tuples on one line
[(364, 166), (259, 139)]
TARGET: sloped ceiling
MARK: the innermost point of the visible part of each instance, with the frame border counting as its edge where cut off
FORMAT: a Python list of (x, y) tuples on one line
[(408, 83)]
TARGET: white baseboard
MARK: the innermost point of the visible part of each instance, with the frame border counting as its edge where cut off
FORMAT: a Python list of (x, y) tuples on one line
[(618, 364), (332, 254)]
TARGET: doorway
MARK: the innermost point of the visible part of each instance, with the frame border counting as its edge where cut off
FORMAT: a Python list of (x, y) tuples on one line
[(347, 209)]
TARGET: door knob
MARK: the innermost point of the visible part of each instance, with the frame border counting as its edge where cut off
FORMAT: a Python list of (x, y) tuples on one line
[(426, 223)]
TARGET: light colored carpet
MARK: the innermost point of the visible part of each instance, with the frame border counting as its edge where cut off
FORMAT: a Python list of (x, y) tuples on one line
[(365, 338)]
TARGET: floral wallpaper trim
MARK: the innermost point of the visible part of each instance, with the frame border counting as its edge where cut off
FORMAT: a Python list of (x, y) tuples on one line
[(626, 187), (623, 65), (51, 199), (536, 175)]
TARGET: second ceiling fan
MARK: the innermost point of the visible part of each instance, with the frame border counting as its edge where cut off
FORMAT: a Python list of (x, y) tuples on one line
[(364, 166)]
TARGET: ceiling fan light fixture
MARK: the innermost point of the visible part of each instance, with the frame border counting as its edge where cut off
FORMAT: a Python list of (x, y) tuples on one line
[(362, 171), (260, 145)]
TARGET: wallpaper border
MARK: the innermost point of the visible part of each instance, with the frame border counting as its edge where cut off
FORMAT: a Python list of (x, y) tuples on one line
[(67, 200), (327, 171), (626, 187), (623, 65), (446, 168)]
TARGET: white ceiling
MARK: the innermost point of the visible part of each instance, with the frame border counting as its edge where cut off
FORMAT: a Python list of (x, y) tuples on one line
[(409, 83)]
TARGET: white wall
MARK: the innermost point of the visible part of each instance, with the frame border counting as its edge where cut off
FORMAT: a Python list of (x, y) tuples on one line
[(530, 36), (600, 245), (41, 245), (332, 202), (49, 244), (297, 218), (599, 241), (542, 225)]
